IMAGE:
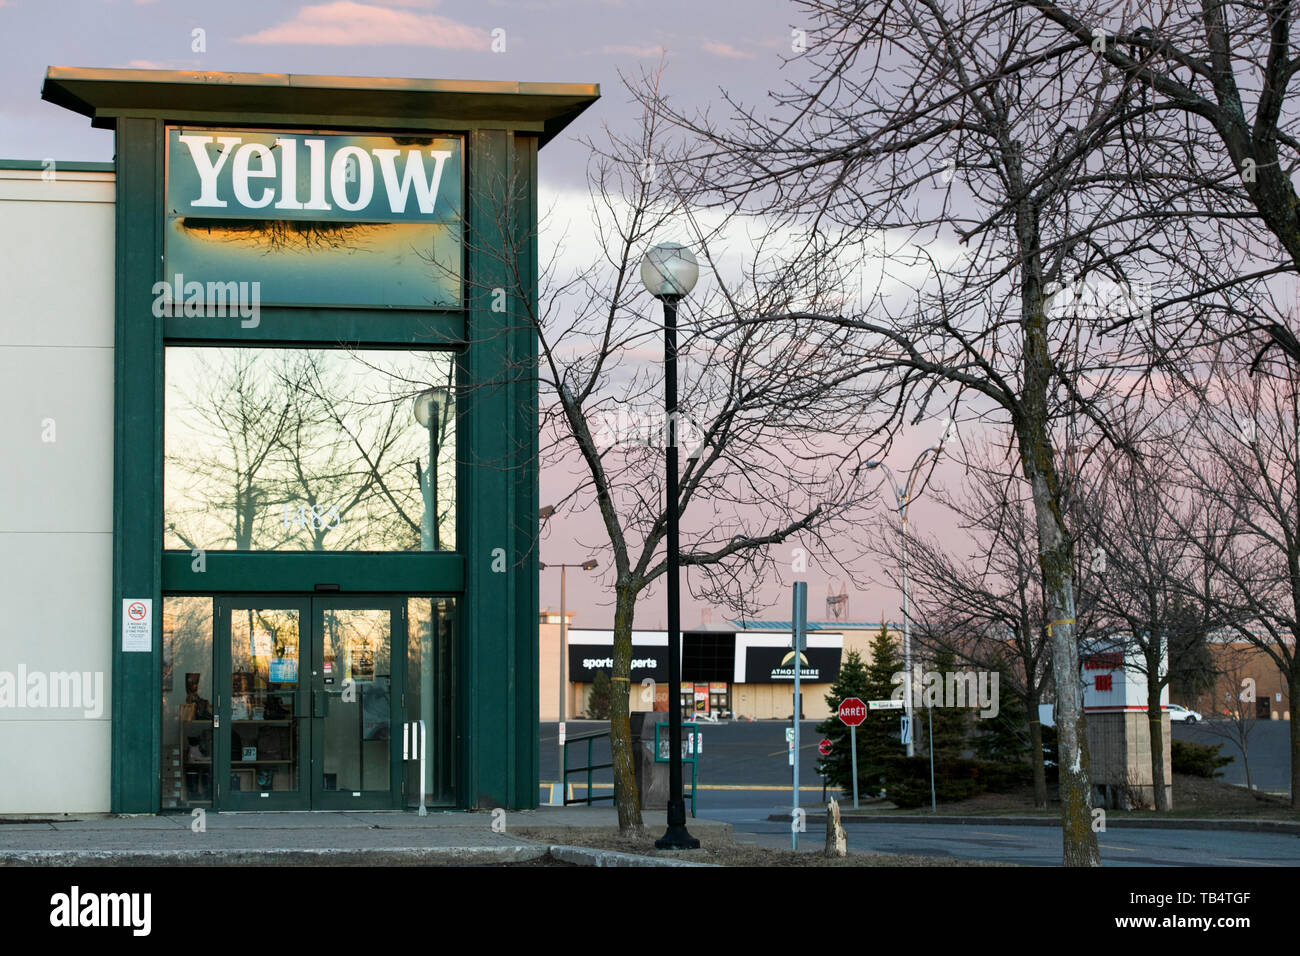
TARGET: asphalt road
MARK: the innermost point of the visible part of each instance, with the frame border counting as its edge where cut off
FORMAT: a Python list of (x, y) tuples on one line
[(1268, 744), (733, 753), (754, 753), (745, 779), (1041, 846)]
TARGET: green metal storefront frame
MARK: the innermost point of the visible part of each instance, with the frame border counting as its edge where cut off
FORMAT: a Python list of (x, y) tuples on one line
[(493, 575)]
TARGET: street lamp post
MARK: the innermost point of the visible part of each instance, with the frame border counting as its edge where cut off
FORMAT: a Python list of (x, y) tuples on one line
[(669, 272), (430, 409), (589, 565), (903, 496)]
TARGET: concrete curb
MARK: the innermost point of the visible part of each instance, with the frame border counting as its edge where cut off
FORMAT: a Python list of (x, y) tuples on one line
[(585, 856), (370, 856), (1244, 826)]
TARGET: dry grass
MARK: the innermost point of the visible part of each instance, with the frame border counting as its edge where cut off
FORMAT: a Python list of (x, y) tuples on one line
[(724, 852), (1193, 797)]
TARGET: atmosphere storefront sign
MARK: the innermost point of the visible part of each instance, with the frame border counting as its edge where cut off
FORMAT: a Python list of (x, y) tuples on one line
[(773, 665), (316, 218)]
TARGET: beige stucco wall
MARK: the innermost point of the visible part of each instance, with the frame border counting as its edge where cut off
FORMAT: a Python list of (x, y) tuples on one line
[(548, 672), (56, 381), (1119, 746)]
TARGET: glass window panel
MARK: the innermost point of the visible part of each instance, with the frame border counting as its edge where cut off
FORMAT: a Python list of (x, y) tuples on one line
[(402, 264), (430, 697), (356, 726), (318, 449), (265, 658), (187, 702)]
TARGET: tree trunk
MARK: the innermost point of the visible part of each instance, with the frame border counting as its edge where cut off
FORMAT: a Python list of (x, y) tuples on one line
[(1155, 721), (1036, 753), (626, 798), (1079, 839), (1292, 684)]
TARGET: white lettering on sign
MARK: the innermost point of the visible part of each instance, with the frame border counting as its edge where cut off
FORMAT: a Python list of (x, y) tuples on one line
[(313, 517), (591, 663), (207, 168), (258, 178), (425, 191), (242, 174)]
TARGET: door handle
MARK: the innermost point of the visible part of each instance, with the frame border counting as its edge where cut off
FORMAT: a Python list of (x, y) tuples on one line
[(320, 703)]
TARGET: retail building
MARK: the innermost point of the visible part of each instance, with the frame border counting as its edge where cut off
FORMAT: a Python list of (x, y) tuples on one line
[(271, 446), (741, 672)]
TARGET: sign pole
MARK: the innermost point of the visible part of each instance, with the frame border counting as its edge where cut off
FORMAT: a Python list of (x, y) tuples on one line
[(934, 808), (853, 711), (799, 627), (853, 745)]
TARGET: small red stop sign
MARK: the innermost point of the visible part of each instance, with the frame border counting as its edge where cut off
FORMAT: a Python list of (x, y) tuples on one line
[(852, 711), (824, 748)]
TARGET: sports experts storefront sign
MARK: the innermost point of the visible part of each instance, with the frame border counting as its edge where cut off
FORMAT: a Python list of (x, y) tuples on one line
[(586, 659)]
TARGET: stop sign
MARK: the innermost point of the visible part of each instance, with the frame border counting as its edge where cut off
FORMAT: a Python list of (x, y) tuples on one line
[(824, 748), (852, 711)]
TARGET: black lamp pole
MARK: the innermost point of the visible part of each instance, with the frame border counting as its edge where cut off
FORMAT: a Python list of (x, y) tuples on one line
[(676, 837)]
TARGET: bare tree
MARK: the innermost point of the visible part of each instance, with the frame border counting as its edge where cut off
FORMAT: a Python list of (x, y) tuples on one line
[(1234, 718), (1237, 445), (766, 411), (983, 600), (1214, 145), (1149, 585), (954, 141)]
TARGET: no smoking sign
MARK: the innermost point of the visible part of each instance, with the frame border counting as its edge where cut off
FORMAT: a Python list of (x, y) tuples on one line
[(137, 625)]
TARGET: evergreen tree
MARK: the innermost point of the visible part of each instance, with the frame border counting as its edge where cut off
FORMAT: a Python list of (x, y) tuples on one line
[(1004, 738), (838, 767), (599, 699), (952, 725), (878, 735)]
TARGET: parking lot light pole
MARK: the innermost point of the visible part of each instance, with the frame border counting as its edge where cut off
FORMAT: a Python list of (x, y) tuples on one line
[(903, 496), (669, 272)]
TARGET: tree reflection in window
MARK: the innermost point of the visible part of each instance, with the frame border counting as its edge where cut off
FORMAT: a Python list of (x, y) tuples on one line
[(303, 450)]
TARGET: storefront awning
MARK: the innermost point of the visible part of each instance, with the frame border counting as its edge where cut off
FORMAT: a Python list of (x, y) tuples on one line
[(292, 98)]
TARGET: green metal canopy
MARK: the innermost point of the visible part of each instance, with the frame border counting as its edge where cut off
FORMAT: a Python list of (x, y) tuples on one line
[(105, 95)]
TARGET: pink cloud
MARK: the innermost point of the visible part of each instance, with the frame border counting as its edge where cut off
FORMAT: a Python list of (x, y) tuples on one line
[(345, 23), (727, 50), (634, 50)]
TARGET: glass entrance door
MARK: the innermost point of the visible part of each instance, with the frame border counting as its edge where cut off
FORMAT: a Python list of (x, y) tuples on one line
[(261, 732), (309, 708), (359, 651)]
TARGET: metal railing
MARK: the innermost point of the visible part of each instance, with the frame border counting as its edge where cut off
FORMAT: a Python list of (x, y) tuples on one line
[(692, 744), (590, 768)]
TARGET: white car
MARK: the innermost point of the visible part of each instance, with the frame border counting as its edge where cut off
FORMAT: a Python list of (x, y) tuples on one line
[(1179, 713)]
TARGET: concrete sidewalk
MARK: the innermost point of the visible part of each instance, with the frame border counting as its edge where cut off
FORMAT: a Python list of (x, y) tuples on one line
[(312, 838)]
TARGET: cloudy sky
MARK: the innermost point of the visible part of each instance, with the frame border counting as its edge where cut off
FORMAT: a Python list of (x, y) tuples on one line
[(706, 46)]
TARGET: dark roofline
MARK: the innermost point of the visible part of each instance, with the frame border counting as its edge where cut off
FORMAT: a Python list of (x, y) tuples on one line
[(289, 98)]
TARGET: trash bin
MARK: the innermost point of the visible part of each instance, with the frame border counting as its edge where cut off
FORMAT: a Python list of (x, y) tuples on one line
[(651, 776)]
